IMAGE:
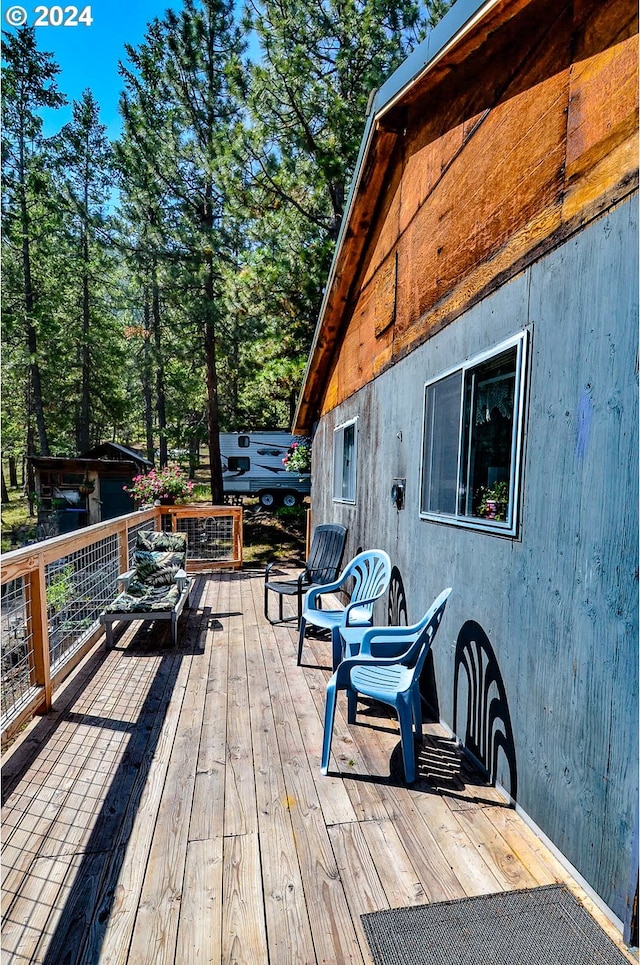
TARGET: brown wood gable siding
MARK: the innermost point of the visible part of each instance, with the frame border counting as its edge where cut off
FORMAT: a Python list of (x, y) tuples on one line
[(513, 146)]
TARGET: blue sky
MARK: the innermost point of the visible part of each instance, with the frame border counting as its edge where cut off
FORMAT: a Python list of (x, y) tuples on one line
[(88, 55)]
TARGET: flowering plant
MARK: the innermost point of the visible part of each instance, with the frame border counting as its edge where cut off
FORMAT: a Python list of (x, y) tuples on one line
[(298, 457), (170, 482), (494, 501)]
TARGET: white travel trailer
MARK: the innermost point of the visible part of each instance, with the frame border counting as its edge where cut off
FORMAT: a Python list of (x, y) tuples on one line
[(252, 466)]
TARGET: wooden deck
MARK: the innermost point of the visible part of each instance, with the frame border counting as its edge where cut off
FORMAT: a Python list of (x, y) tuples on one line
[(171, 807)]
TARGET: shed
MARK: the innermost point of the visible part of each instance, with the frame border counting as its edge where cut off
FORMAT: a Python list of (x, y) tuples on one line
[(472, 395), (77, 491)]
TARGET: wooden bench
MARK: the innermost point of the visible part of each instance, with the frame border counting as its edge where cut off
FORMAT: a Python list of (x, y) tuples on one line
[(156, 588)]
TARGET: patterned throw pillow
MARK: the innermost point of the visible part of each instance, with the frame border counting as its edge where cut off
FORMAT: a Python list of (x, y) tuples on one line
[(154, 568)]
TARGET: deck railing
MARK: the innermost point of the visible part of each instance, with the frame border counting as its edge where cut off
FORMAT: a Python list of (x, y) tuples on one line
[(54, 591)]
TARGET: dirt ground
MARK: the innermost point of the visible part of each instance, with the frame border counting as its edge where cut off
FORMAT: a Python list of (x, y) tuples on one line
[(273, 536)]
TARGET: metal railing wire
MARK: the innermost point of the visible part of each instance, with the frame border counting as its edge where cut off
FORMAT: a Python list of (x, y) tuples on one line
[(78, 588), (17, 648), (54, 591)]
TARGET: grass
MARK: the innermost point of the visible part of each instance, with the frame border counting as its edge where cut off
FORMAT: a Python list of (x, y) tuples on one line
[(201, 493), (279, 535), (15, 513)]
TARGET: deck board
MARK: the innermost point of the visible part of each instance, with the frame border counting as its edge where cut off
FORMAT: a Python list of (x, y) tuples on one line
[(171, 807)]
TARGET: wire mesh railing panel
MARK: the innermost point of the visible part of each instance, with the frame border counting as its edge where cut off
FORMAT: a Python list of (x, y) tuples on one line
[(166, 524), (78, 588), (208, 537), (18, 683)]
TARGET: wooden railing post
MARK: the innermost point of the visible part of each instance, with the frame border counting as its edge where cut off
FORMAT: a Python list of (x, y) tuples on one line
[(40, 632), (238, 534)]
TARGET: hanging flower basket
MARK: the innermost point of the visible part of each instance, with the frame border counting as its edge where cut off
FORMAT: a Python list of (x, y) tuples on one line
[(298, 457), (86, 486)]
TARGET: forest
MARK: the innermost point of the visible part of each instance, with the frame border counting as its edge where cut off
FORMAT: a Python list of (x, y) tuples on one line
[(164, 286)]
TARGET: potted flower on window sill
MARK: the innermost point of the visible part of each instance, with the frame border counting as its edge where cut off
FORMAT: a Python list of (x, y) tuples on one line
[(298, 457), (163, 488), (494, 501)]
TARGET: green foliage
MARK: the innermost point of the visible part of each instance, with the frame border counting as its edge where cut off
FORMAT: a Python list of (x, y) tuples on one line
[(295, 514), (61, 588), (29, 86), (201, 493), (90, 339), (180, 105), (306, 107), (190, 307)]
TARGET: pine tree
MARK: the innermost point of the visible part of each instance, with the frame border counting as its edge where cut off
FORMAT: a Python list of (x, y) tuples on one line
[(29, 84), (85, 157), (186, 74), (309, 94), (146, 173)]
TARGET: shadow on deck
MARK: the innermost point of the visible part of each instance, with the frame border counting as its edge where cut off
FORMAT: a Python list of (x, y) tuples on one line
[(171, 809)]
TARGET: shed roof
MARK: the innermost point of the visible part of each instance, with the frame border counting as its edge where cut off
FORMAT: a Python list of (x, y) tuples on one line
[(383, 126), (118, 451), (82, 464)]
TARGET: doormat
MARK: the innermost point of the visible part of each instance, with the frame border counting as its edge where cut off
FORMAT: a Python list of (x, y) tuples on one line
[(535, 926)]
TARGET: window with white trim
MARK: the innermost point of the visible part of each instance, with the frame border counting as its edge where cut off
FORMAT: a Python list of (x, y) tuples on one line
[(472, 440), (344, 462)]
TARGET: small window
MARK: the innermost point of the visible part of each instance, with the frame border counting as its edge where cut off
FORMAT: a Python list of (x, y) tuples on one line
[(472, 441), (244, 442), (238, 463), (344, 463)]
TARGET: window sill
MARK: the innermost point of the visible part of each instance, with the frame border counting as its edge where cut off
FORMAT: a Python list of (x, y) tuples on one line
[(479, 525)]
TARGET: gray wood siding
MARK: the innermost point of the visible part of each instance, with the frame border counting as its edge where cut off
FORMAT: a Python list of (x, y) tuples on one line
[(559, 603)]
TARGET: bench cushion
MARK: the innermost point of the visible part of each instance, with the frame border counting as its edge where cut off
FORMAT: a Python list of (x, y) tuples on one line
[(156, 586), (151, 598)]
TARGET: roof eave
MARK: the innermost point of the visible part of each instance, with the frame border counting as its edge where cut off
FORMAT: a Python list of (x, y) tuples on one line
[(461, 18)]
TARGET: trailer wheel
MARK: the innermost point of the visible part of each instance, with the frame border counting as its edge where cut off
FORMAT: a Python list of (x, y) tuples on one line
[(267, 499), (290, 499)]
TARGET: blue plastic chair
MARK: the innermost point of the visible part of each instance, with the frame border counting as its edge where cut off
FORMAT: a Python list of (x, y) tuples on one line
[(385, 663), (371, 572)]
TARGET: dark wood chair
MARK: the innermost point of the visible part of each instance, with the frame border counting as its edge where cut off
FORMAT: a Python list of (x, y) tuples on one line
[(321, 567)]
